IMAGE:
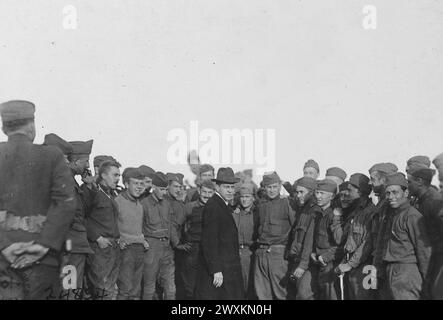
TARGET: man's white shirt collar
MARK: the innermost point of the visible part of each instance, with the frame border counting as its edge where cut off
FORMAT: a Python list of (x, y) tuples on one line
[(226, 202)]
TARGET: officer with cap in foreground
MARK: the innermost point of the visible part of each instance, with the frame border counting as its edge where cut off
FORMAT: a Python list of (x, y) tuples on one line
[(36, 204)]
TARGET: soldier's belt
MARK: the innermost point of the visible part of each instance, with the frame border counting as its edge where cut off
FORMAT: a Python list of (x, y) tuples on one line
[(32, 224)]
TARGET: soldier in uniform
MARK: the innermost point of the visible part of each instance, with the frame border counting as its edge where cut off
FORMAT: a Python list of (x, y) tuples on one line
[(303, 239), (378, 175), (173, 196), (356, 237), (276, 216), (429, 203), (220, 275), (77, 245), (437, 255), (326, 253), (147, 173), (159, 230), (246, 219), (311, 169), (408, 249), (36, 205), (103, 234), (339, 176), (192, 235), (132, 242), (205, 172)]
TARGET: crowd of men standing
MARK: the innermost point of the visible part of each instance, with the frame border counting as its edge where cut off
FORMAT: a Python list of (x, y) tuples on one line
[(376, 236)]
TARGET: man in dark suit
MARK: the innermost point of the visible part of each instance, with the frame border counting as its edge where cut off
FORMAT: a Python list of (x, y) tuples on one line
[(37, 205), (220, 267)]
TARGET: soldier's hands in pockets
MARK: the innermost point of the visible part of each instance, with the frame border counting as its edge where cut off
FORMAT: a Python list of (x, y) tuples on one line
[(103, 243), (218, 279), (29, 255), (146, 245)]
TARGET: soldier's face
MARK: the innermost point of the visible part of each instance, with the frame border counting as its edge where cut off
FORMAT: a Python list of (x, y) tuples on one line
[(208, 175), (352, 194), (175, 189), (310, 172), (82, 164), (205, 193), (413, 185), (147, 182), (135, 187), (323, 198), (273, 190), (111, 177), (302, 195), (377, 182), (344, 198), (160, 192), (396, 196), (246, 200), (226, 191)]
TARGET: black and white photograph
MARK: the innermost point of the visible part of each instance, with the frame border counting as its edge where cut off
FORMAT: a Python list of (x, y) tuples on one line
[(232, 152)]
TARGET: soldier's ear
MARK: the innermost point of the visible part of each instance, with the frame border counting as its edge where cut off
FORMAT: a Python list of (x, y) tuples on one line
[(407, 193)]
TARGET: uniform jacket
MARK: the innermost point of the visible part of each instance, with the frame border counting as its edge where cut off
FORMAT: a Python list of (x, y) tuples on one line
[(77, 231), (158, 221), (35, 180), (102, 220), (408, 239), (324, 241), (303, 234), (276, 220)]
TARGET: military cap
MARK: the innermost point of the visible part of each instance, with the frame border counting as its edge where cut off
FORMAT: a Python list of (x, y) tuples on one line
[(159, 179), (343, 186), (423, 173), (384, 167), (438, 161), (271, 178), (361, 181), (327, 185), (312, 164), (307, 182), (131, 173), (180, 177), (248, 172), (81, 147), (17, 110), (418, 162), (240, 175), (336, 172), (207, 184), (205, 168), (396, 179), (98, 160), (146, 171), (52, 139), (246, 188), (174, 177)]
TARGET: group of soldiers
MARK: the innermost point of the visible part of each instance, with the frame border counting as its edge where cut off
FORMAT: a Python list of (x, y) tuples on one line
[(375, 236)]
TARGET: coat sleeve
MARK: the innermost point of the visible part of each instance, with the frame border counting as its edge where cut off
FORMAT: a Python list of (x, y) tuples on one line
[(308, 245), (337, 228), (420, 240), (62, 208), (210, 239), (364, 248)]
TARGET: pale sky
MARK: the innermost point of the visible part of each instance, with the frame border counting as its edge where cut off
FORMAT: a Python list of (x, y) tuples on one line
[(134, 70)]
